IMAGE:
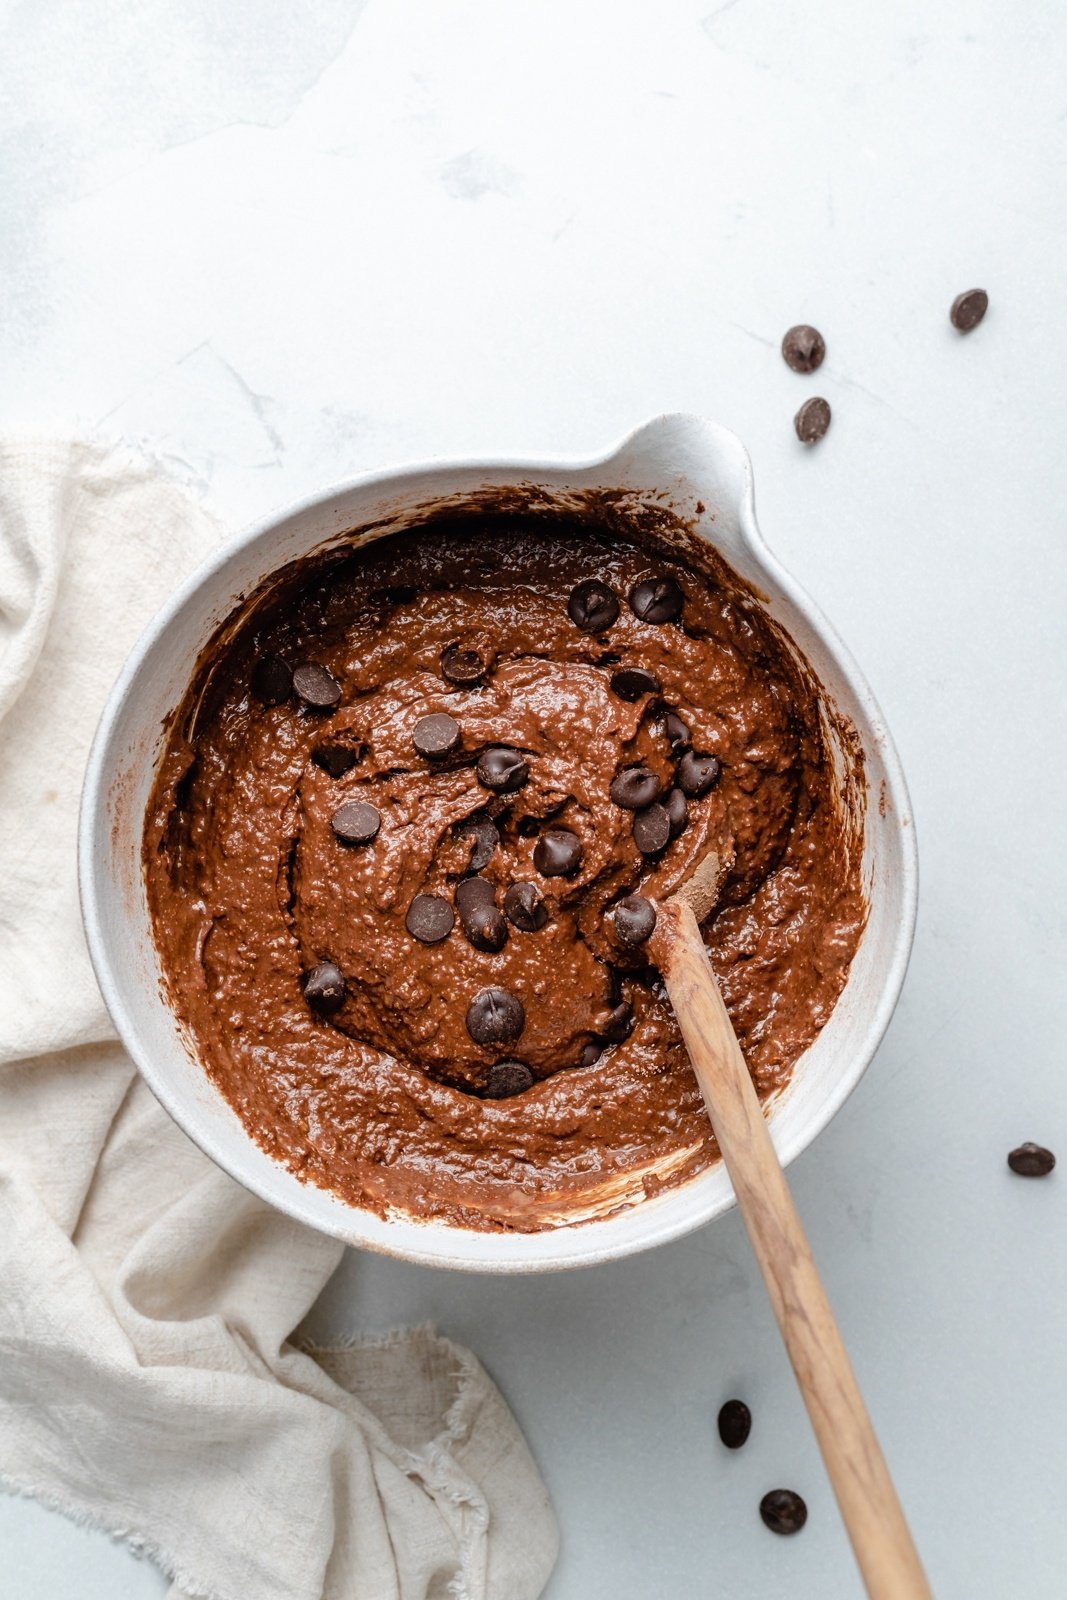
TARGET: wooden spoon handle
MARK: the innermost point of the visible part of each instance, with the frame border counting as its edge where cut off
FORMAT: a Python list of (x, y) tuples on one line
[(869, 1506)]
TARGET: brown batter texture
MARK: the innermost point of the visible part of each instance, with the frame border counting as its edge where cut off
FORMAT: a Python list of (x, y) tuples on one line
[(387, 1099)]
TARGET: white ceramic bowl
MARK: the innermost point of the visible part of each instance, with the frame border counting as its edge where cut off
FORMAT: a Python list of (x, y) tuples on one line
[(691, 461)]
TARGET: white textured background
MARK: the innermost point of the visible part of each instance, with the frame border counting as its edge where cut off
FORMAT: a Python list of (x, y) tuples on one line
[(283, 242)]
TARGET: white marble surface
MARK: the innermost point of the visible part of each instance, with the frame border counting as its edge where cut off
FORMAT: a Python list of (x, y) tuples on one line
[(283, 244)]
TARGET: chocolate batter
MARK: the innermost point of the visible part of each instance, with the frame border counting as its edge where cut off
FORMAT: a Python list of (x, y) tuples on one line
[(405, 842)]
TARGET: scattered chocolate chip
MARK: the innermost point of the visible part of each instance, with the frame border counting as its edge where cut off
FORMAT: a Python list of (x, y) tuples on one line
[(804, 348), (591, 1055), (652, 830), (272, 680), (676, 730), (657, 600), (317, 687), (484, 925), (506, 1078), (630, 683), (783, 1511), (471, 892), (336, 759), (324, 988), (968, 309), (436, 735), (697, 774), (812, 420), (677, 812), (634, 919), (495, 1017), (462, 667), (592, 606), (524, 907), (486, 838), (356, 822), (1032, 1161), (735, 1424), (430, 918), (501, 769), (620, 1023), (634, 788), (557, 853)]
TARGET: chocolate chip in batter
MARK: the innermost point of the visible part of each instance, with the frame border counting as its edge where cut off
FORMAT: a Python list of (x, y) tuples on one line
[(591, 1055), (1032, 1161), (461, 666), (316, 686), (336, 759), (324, 988), (619, 1024), (677, 812), (525, 908), (483, 830), (812, 420), (436, 735), (430, 918), (356, 822), (471, 892), (657, 600), (557, 853), (735, 1424), (630, 683), (502, 769), (506, 1078), (495, 1017), (652, 830), (968, 309), (272, 680), (484, 925), (697, 774), (634, 919), (634, 788), (592, 606), (676, 730), (803, 348), (783, 1511)]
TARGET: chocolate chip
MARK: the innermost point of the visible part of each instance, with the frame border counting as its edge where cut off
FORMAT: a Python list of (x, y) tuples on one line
[(634, 919), (436, 735), (677, 812), (272, 680), (495, 1017), (591, 1055), (783, 1511), (317, 687), (676, 730), (735, 1424), (356, 822), (484, 925), (471, 892), (486, 838), (968, 309), (630, 683), (696, 774), (524, 907), (506, 1078), (430, 918), (652, 830), (324, 988), (501, 769), (1032, 1161), (803, 348), (592, 606), (634, 788), (620, 1023), (812, 420), (461, 666), (657, 600), (557, 853), (336, 759)]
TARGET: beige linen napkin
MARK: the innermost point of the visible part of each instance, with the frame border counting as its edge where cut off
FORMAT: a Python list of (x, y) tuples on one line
[(147, 1380)]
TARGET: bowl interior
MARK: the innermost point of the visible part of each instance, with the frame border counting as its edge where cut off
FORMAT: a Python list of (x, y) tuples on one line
[(693, 465)]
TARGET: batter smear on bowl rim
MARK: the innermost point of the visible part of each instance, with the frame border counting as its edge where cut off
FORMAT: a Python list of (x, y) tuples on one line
[(407, 835)]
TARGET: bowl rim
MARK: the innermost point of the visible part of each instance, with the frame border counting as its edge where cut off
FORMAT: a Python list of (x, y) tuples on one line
[(93, 812)]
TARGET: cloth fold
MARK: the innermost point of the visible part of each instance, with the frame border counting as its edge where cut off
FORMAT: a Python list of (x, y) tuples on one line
[(149, 1383)]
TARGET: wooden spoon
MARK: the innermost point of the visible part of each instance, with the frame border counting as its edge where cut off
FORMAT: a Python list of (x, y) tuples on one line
[(883, 1546)]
